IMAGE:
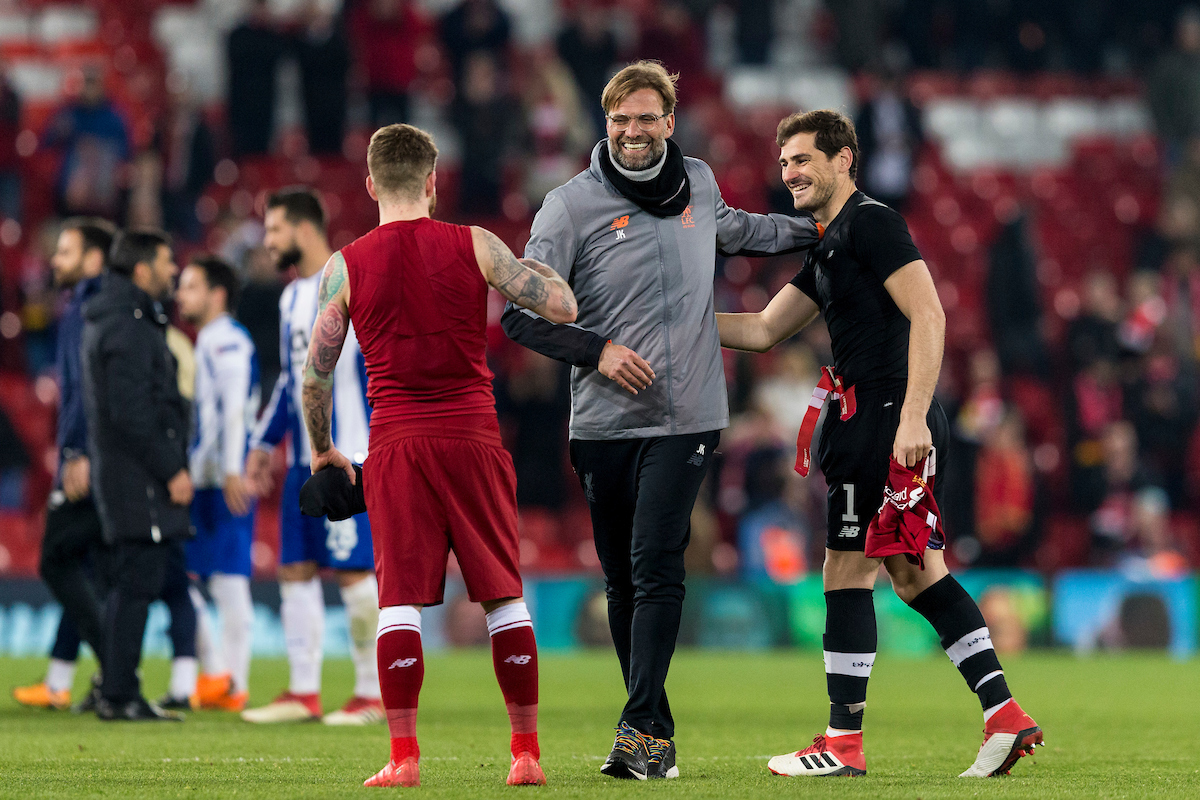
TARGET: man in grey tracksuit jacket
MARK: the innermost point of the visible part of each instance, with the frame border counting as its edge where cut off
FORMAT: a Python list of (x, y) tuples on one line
[(647, 389)]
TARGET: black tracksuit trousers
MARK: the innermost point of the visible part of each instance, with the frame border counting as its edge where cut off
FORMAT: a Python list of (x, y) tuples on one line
[(641, 493)]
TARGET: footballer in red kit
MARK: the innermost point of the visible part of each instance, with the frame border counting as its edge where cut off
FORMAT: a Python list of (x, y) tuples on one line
[(436, 477)]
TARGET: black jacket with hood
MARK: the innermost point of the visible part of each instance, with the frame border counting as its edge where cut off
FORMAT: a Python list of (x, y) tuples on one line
[(137, 420)]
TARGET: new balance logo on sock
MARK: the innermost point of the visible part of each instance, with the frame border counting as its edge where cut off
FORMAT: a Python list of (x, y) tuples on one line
[(403, 662), (520, 661)]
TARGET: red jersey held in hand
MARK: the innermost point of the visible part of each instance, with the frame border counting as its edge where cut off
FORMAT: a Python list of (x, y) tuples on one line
[(419, 307), (909, 521)]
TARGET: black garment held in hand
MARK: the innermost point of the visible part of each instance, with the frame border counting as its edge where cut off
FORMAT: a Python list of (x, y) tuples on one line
[(329, 493), (665, 196)]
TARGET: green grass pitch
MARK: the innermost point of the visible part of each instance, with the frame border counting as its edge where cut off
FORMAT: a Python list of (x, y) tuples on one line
[(1120, 726)]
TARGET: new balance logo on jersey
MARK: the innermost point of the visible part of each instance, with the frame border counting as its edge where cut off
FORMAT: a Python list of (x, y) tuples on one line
[(403, 662), (520, 661), (849, 531), (697, 459)]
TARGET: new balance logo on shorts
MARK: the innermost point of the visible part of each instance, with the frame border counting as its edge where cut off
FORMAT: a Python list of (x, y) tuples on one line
[(403, 662), (697, 459), (520, 661), (849, 531)]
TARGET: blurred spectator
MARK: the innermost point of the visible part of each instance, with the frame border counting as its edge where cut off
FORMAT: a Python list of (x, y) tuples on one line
[(1013, 302), (475, 26), (860, 31), (487, 119), (10, 160), (1093, 334), (676, 40), (889, 139), (1173, 90), (1004, 493), (975, 418), (784, 393), (1181, 293), (254, 50), (773, 539), (755, 30), (143, 205), (94, 142), (324, 56), (589, 48), (1109, 497), (388, 36), (1162, 407), (534, 400), (14, 460), (188, 151), (1147, 313), (1153, 552), (558, 130)]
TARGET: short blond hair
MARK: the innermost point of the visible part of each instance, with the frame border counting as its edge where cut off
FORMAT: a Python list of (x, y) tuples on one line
[(400, 158), (637, 76)]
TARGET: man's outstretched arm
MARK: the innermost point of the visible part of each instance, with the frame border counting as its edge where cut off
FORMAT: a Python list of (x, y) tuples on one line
[(784, 317), (324, 348), (526, 282)]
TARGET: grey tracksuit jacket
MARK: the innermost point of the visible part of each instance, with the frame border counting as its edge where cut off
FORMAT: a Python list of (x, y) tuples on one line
[(646, 283)]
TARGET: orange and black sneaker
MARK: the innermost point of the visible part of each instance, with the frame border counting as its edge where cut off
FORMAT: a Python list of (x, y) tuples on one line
[(826, 756), (406, 773), (630, 756), (39, 695), (1008, 735)]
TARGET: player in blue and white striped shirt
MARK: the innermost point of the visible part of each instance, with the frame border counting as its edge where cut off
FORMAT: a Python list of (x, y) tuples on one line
[(226, 406), (295, 236)]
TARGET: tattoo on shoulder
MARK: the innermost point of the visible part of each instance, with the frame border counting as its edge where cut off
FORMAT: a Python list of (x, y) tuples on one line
[(333, 279)]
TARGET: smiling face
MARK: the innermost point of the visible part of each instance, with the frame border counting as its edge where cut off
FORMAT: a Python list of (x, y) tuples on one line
[(633, 146), (811, 176)]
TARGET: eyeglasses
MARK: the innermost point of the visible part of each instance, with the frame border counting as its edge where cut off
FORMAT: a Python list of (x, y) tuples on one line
[(644, 121)]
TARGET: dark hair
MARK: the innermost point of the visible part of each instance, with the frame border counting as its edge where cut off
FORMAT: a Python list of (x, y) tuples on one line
[(217, 272), (833, 132), (400, 158), (135, 246), (97, 234), (299, 204)]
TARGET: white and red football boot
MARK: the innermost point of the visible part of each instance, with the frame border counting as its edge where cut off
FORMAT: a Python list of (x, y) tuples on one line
[(826, 756), (357, 711), (406, 773), (1008, 735)]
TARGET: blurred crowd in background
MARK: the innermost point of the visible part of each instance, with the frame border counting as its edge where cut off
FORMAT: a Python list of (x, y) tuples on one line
[(1071, 282)]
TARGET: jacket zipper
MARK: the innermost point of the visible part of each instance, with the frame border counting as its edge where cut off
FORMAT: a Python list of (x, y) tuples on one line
[(662, 279)]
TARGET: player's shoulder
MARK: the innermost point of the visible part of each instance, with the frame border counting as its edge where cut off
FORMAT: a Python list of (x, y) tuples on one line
[(868, 210)]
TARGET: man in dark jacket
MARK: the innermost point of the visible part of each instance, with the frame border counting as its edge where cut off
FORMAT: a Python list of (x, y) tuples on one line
[(72, 526), (137, 439)]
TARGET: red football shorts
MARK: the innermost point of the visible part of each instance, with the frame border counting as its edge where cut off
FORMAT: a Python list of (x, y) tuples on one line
[(438, 485)]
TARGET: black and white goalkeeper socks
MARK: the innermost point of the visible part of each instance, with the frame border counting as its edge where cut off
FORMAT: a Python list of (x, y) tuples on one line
[(850, 641), (965, 638)]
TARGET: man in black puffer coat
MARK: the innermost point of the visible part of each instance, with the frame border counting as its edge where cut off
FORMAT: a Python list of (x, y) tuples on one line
[(137, 440)]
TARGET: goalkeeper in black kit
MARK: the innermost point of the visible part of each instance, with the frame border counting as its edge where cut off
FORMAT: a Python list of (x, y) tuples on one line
[(879, 446)]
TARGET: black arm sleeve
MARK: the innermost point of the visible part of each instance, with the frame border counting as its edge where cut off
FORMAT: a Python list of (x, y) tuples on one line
[(567, 343)]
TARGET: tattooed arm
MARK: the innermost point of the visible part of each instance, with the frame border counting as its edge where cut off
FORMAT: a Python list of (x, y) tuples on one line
[(328, 335), (526, 282)]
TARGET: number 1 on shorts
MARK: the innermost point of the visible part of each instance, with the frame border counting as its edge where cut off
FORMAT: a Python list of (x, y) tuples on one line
[(849, 516)]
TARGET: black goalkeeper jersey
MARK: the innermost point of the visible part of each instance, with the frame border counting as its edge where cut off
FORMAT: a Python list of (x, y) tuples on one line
[(844, 275)]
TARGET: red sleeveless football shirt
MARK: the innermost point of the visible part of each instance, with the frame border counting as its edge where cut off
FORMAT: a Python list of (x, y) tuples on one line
[(419, 307)]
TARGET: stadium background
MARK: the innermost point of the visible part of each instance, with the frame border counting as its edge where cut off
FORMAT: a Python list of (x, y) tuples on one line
[(1044, 155)]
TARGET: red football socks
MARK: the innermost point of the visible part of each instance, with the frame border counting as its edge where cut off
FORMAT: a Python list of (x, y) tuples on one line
[(514, 656), (401, 672)]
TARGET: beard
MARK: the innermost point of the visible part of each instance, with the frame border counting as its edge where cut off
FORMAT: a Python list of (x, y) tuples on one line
[(820, 193), (639, 161), (288, 258)]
